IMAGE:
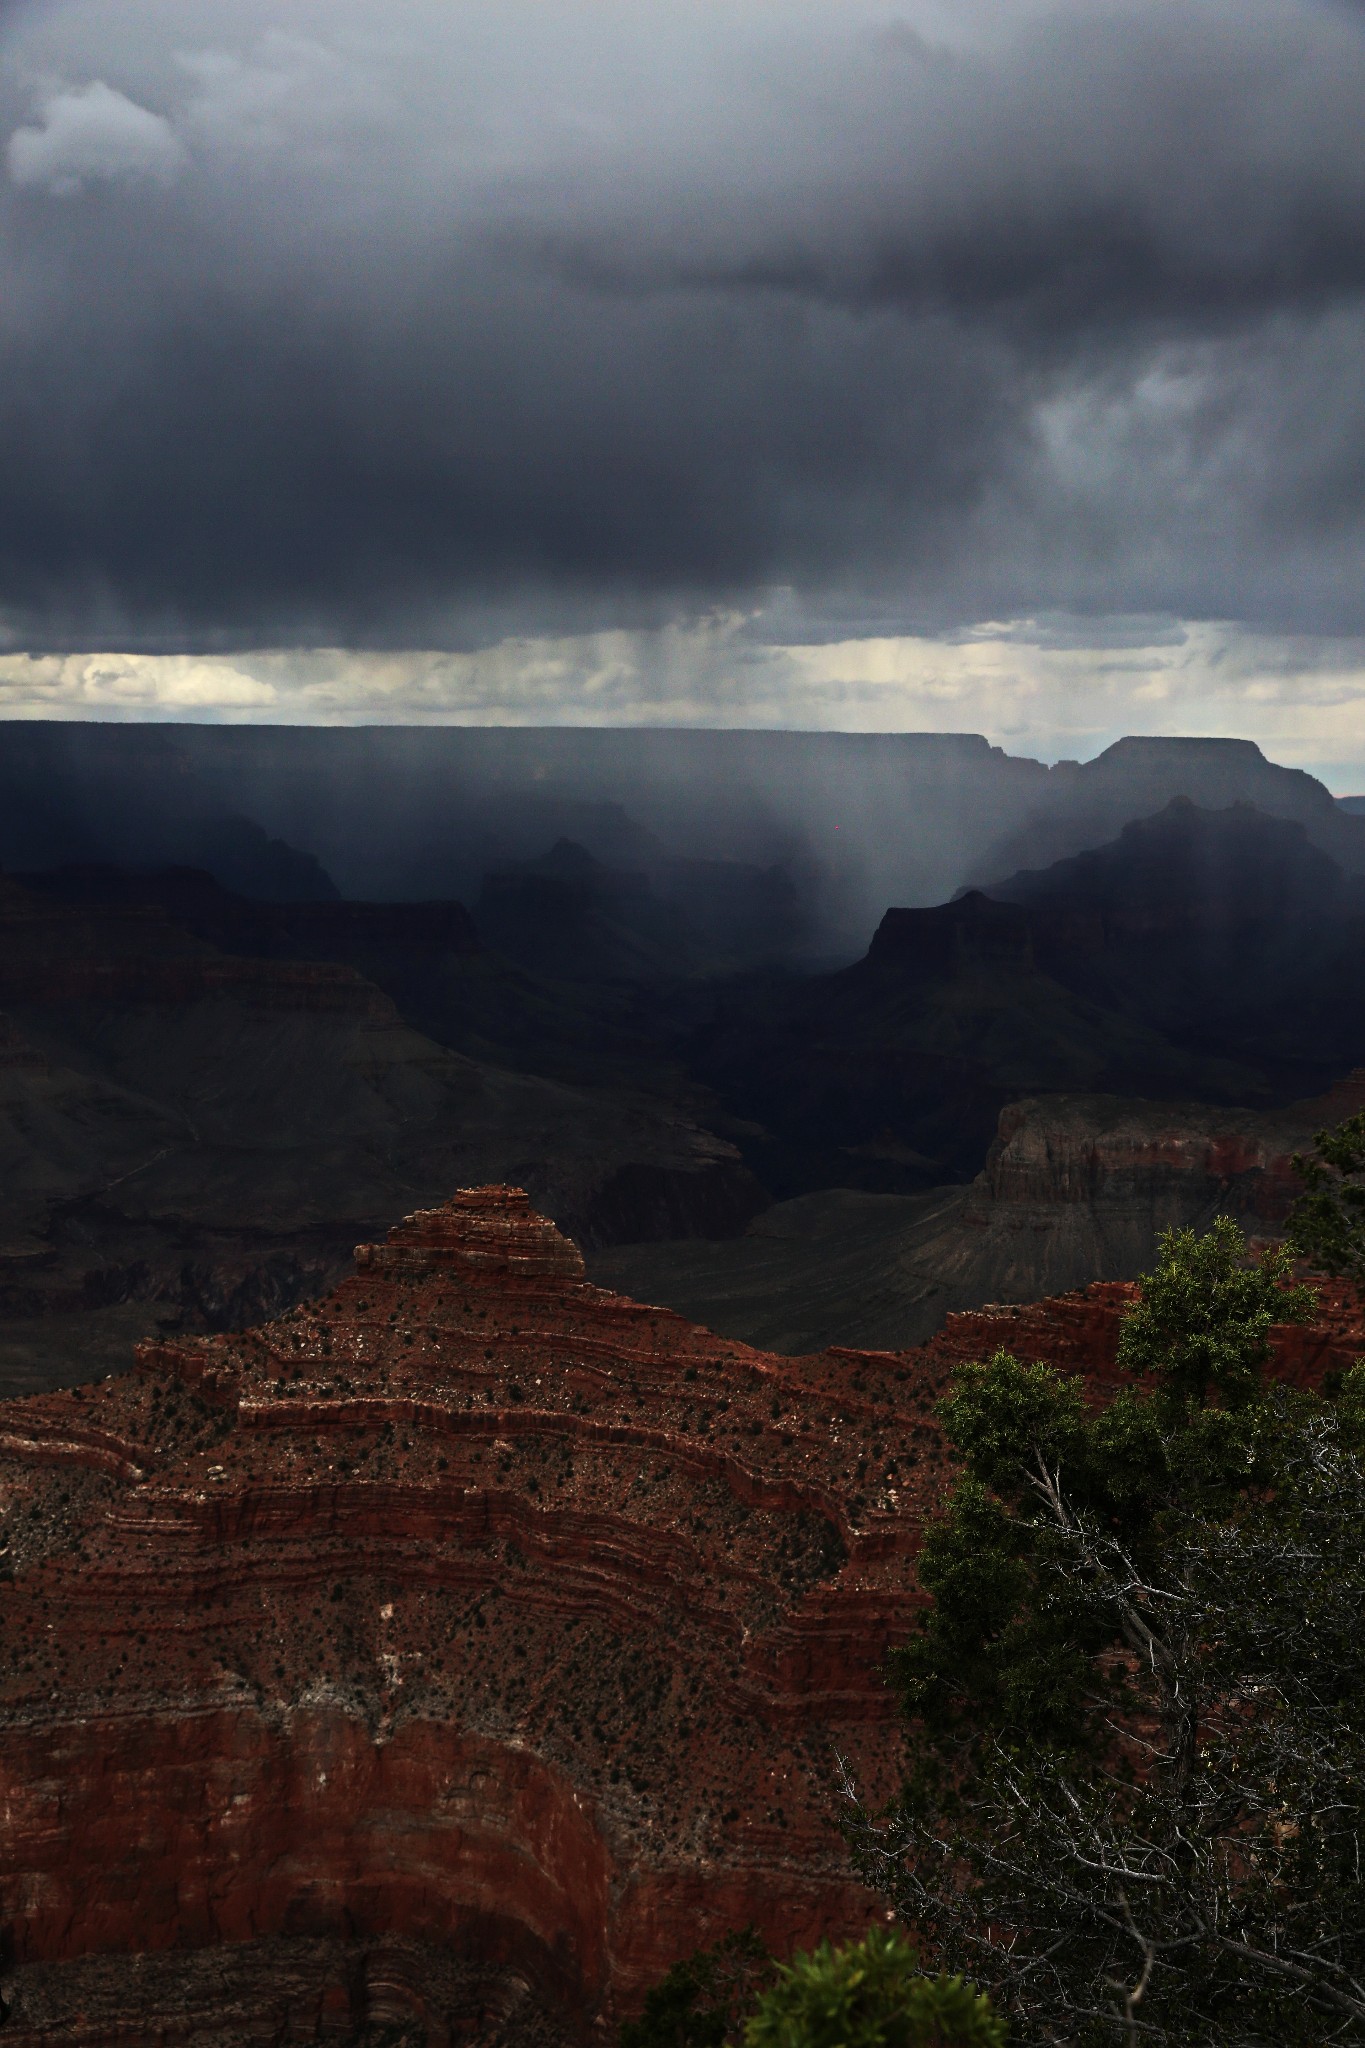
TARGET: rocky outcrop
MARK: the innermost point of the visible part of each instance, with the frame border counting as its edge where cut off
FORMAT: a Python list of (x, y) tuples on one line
[(1079, 1332), (474, 1609), (1074, 1188), (198, 1135)]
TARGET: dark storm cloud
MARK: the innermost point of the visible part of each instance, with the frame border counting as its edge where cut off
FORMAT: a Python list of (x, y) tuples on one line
[(405, 323)]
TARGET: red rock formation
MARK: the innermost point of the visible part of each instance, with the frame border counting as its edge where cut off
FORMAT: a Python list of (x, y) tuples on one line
[(476, 1607), (1079, 1332), (465, 1647), (1169, 1161)]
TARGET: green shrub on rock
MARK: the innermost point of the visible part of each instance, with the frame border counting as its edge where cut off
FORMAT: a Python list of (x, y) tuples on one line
[(865, 1994), (703, 2001), (870, 1994)]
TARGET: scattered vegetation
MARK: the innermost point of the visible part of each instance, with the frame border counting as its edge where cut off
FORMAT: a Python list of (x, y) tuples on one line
[(1327, 1226), (1136, 1795), (704, 2000), (866, 1994)]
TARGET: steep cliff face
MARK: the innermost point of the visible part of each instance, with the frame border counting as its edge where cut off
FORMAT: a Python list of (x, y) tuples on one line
[(473, 1608), (1075, 1187), (192, 1133)]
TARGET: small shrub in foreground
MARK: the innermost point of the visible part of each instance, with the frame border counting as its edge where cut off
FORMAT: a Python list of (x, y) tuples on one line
[(870, 1994), (865, 1994), (704, 2000)]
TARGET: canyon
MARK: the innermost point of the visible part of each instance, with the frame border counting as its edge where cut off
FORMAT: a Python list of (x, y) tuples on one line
[(207, 1097), (1073, 1186), (855, 821), (444, 1658), (194, 1135)]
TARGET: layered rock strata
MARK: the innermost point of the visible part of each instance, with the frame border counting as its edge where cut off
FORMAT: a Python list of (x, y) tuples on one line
[(1074, 1187), (443, 1660)]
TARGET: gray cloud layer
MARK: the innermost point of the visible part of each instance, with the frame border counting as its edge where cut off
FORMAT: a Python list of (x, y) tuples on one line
[(410, 322)]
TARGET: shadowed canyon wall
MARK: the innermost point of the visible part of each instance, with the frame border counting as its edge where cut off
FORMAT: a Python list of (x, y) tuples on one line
[(1073, 1186), (197, 1134)]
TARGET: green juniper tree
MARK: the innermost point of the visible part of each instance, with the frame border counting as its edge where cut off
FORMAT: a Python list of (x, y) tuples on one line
[(704, 2000), (865, 1994), (1327, 1225), (870, 1994), (1135, 1809)]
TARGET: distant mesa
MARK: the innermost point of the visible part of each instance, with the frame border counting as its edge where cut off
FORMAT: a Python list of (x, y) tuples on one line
[(770, 844), (1189, 864), (1139, 776)]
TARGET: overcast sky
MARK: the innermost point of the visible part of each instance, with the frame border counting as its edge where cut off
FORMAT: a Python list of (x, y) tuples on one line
[(1000, 368)]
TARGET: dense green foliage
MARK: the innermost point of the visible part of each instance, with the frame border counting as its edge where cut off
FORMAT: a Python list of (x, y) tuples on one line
[(870, 1994), (1201, 1329), (1136, 1796), (704, 2000), (1328, 1223), (1014, 1629), (866, 1994)]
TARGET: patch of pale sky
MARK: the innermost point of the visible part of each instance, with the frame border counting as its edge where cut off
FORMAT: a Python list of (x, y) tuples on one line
[(1302, 699), (91, 134)]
